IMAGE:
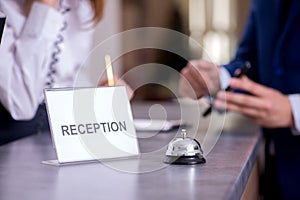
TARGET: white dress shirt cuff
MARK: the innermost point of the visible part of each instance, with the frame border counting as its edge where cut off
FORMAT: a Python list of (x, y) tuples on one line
[(43, 21), (224, 78), (295, 103)]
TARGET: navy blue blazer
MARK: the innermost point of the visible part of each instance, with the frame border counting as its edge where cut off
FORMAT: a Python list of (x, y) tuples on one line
[(271, 42), (271, 45)]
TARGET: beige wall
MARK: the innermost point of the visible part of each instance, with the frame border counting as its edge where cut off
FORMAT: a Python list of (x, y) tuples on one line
[(122, 15)]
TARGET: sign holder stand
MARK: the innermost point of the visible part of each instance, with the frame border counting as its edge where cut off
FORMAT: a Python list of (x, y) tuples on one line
[(90, 125)]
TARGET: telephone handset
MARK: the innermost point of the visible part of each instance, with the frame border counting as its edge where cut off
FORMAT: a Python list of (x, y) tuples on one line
[(2, 22)]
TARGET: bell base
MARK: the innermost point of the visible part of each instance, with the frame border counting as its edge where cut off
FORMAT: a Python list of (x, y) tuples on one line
[(185, 160)]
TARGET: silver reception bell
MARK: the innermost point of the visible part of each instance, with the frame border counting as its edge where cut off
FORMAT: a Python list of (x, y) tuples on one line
[(184, 151)]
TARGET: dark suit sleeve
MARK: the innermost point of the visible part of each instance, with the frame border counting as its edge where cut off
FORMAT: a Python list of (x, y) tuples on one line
[(247, 49)]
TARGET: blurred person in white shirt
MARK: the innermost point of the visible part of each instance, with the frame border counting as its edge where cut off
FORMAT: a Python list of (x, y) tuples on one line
[(43, 46)]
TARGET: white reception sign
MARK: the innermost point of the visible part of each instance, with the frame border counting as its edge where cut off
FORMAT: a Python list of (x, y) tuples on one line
[(91, 123)]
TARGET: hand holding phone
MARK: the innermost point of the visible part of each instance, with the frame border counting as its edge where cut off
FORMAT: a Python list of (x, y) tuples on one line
[(242, 71)]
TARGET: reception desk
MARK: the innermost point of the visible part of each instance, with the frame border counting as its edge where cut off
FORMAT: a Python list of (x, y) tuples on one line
[(229, 173)]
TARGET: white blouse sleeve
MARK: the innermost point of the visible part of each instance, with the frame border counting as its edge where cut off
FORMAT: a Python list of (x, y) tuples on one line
[(25, 56)]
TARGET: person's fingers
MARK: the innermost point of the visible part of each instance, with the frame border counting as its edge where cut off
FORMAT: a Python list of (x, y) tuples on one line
[(248, 85), (199, 77), (186, 90), (196, 77), (191, 85), (129, 90), (119, 82), (207, 75), (249, 111), (103, 82), (243, 100)]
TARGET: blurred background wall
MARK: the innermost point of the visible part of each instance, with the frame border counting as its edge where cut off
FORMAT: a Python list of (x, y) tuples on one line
[(215, 24)]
